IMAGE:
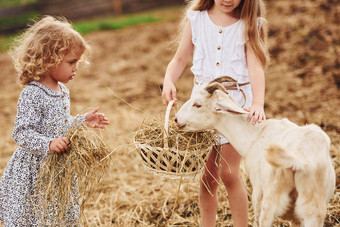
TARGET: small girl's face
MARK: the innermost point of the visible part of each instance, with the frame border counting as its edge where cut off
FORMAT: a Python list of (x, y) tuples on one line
[(67, 68), (227, 6)]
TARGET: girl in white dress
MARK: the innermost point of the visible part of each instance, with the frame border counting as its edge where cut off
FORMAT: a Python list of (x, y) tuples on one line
[(227, 38)]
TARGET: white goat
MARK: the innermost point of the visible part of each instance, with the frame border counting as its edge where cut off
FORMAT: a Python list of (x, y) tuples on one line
[(289, 166)]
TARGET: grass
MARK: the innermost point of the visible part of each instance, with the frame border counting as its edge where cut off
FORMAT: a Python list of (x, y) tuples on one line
[(12, 22), (85, 27), (5, 42), (111, 24), (10, 3), (18, 19)]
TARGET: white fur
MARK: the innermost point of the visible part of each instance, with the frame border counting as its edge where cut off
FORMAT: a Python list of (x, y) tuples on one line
[(289, 166)]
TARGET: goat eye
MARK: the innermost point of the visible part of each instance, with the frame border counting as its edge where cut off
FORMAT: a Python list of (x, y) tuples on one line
[(196, 105)]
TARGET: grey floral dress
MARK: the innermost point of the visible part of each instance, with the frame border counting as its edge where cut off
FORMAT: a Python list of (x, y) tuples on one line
[(43, 115)]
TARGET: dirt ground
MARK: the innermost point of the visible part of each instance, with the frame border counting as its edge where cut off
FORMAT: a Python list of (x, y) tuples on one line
[(302, 84)]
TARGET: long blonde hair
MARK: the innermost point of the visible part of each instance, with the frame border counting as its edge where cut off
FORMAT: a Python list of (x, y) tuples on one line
[(249, 11), (43, 46)]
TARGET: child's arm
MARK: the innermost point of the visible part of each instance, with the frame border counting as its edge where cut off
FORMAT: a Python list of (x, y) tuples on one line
[(96, 120), (28, 129), (257, 82), (176, 65), (92, 119)]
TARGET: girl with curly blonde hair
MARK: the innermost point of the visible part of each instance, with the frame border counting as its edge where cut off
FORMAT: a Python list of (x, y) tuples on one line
[(45, 56)]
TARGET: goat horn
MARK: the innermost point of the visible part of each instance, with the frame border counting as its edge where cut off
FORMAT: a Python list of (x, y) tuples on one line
[(223, 79), (212, 87)]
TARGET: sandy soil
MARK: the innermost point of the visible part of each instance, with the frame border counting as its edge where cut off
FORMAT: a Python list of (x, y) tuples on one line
[(303, 82)]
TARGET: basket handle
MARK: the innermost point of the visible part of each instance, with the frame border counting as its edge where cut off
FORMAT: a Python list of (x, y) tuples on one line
[(166, 123)]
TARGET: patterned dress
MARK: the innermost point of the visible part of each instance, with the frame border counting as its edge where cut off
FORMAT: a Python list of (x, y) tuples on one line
[(43, 115)]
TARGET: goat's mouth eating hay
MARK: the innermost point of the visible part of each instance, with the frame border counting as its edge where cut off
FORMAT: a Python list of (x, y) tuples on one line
[(172, 152), (66, 180)]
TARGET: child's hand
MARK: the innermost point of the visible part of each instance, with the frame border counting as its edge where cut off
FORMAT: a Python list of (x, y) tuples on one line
[(169, 93), (96, 120), (256, 112), (59, 145)]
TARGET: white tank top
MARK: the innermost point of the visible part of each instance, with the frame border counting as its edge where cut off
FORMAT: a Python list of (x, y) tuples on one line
[(219, 51)]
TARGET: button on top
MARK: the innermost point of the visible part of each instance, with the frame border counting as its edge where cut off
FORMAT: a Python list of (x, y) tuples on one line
[(220, 31), (218, 47), (62, 96), (217, 64), (65, 108)]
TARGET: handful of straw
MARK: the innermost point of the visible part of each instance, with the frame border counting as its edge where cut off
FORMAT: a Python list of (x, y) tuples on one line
[(169, 151), (83, 166)]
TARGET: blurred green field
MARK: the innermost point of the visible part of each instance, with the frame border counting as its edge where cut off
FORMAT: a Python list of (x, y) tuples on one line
[(96, 24), (113, 23), (9, 3)]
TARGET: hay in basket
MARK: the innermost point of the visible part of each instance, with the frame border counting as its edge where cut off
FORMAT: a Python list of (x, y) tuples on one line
[(83, 164), (166, 150)]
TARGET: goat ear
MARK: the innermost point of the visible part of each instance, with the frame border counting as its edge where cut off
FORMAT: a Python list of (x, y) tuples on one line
[(221, 106)]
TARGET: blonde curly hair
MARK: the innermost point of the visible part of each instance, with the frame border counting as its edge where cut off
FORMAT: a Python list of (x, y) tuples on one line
[(43, 45)]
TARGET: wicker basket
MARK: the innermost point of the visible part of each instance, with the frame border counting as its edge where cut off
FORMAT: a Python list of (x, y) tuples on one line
[(170, 160)]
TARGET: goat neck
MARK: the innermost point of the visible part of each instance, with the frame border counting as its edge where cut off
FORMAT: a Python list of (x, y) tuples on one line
[(239, 132)]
